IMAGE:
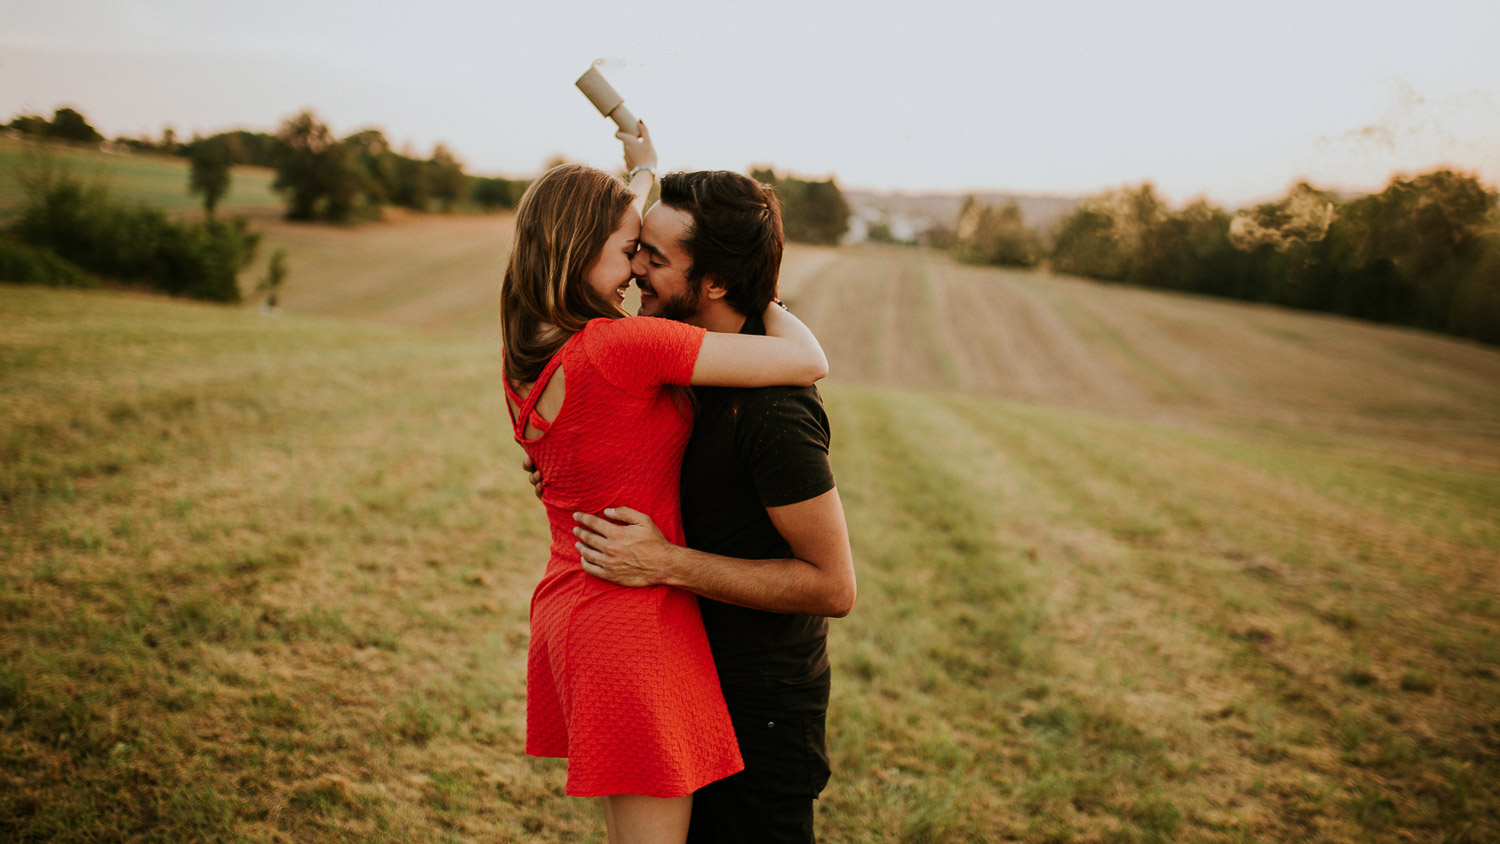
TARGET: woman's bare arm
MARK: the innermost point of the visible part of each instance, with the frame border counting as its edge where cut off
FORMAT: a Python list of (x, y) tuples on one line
[(640, 152), (789, 354)]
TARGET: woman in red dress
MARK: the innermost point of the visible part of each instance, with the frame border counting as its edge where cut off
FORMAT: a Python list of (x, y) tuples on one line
[(619, 680)]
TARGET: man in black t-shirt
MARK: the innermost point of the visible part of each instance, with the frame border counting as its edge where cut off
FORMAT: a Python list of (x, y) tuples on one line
[(768, 549)]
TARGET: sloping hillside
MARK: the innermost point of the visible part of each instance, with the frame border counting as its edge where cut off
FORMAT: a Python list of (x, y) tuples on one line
[(913, 318), (425, 271)]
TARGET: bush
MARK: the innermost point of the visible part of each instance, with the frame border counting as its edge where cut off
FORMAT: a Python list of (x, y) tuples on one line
[(134, 244), (210, 172), (492, 193), (995, 235), (880, 232), (67, 124), (1086, 245), (30, 265)]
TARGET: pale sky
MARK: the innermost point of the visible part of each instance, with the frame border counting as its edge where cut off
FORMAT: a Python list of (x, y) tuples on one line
[(1234, 101)]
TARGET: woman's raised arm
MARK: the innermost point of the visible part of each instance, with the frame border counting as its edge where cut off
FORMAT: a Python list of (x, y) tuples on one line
[(789, 354), (640, 160)]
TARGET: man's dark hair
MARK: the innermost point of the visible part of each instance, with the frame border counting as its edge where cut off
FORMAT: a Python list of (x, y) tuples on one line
[(736, 235)]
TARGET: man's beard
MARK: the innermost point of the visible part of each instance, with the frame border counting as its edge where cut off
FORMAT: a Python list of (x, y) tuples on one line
[(682, 307)]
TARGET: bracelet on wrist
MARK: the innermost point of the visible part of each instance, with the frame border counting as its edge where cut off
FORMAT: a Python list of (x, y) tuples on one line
[(648, 168)]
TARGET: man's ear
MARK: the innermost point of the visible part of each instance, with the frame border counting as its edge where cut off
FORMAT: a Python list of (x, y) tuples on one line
[(713, 288)]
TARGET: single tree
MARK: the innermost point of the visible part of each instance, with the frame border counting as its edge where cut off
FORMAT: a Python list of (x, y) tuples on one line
[(68, 125), (305, 142), (211, 160), (376, 163), (811, 212), (446, 176), (319, 173), (409, 182)]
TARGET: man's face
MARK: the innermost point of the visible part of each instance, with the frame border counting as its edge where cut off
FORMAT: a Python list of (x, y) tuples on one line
[(661, 266)]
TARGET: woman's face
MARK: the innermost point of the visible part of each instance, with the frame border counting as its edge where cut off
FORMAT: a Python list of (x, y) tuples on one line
[(609, 275)]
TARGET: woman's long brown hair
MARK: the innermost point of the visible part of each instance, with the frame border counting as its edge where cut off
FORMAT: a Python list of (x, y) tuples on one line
[(562, 224)]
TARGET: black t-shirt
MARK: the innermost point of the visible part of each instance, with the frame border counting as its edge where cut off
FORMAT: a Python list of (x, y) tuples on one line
[(752, 449)]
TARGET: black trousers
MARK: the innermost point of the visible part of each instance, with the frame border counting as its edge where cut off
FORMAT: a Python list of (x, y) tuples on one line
[(771, 801)]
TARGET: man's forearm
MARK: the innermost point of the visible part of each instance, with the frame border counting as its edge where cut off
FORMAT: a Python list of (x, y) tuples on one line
[(786, 585), (626, 547)]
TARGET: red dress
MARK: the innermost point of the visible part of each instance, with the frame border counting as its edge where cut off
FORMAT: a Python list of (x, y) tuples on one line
[(619, 680)]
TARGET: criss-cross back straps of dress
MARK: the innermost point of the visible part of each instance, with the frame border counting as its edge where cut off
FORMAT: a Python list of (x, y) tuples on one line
[(523, 410)]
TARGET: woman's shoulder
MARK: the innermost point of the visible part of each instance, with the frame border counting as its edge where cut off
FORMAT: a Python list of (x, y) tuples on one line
[(632, 325), (640, 354), (614, 334), (595, 331)]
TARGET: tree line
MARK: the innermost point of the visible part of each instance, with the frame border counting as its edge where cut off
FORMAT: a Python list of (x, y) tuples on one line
[(326, 178), (1423, 252), (323, 177), (70, 234)]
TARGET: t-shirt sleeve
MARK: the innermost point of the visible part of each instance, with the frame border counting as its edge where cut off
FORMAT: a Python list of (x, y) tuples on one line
[(641, 354), (781, 435)]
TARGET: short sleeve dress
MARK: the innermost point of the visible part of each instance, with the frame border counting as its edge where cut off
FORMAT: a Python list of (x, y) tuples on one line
[(619, 680)]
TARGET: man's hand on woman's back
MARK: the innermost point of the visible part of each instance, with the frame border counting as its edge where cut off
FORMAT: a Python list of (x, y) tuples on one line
[(529, 465)]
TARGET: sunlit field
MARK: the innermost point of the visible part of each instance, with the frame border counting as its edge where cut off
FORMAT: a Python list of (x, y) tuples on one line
[(1134, 566)]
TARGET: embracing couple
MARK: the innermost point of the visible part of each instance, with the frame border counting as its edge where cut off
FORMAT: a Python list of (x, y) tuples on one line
[(678, 635)]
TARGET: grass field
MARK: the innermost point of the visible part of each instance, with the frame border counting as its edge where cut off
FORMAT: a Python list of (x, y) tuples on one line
[(425, 271), (1134, 567), (157, 180)]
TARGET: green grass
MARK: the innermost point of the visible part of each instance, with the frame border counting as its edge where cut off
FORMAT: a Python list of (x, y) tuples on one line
[(267, 579), (156, 180)]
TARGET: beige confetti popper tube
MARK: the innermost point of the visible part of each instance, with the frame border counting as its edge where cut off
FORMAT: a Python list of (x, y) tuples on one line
[(606, 99)]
